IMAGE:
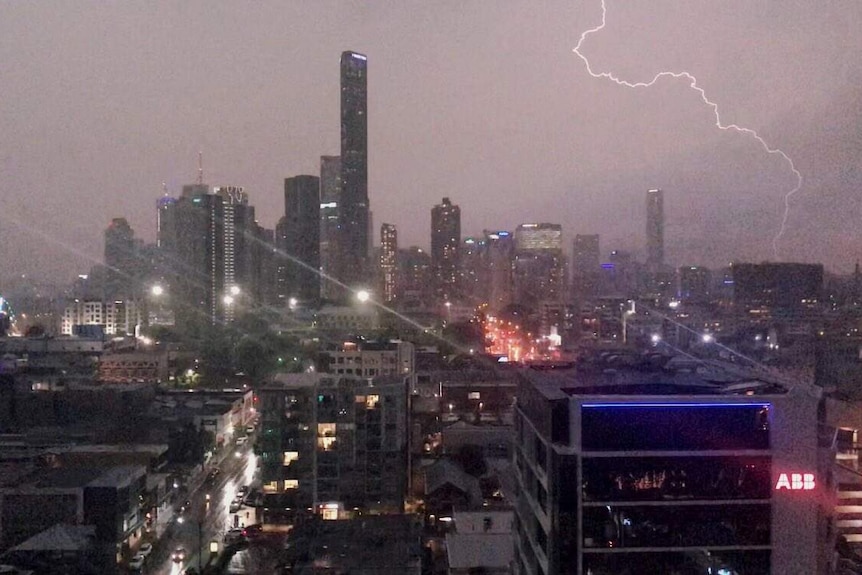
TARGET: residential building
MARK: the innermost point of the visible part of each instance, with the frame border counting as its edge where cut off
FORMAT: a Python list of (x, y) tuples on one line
[(333, 444), (298, 243), (445, 240)]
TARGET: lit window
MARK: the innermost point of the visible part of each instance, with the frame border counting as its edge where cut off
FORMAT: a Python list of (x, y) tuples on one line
[(291, 484), (474, 395), (270, 487), (371, 401), (290, 456), (360, 399)]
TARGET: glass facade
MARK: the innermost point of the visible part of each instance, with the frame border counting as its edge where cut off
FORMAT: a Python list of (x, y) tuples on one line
[(695, 562), (676, 478), (670, 427)]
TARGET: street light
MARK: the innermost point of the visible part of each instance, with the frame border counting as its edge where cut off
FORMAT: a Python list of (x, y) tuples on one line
[(234, 290), (363, 296), (157, 290), (228, 300)]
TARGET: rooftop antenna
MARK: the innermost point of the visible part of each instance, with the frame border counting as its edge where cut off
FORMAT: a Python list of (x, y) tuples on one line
[(165, 188), (200, 168)]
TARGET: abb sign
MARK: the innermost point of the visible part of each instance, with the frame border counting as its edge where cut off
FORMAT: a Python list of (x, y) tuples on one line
[(795, 482)]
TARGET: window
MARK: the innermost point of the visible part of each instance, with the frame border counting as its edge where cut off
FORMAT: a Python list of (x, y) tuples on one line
[(289, 457), (371, 401), (474, 395), (291, 484)]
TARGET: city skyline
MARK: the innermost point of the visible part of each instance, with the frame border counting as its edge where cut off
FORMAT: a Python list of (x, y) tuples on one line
[(505, 121)]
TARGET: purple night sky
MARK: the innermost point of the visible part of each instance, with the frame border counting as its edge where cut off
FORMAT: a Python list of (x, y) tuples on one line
[(480, 101)]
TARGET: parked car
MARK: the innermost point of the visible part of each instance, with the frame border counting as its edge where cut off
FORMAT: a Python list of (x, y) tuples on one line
[(242, 440), (179, 555), (235, 505), (234, 537), (249, 429), (137, 562), (252, 531), (242, 491)]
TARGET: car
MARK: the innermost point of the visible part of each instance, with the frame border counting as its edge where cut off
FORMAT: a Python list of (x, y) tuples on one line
[(242, 440), (212, 476), (145, 549), (235, 505), (179, 555), (252, 531), (137, 562), (234, 537), (242, 491), (249, 429)]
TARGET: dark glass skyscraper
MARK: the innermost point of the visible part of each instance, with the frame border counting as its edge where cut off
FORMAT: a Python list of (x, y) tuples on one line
[(330, 199), (353, 210), (298, 241), (388, 261)]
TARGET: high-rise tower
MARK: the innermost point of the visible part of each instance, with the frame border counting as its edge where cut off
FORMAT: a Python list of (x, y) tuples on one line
[(353, 210), (388, 261), (298, 241), (655, 229), (330, 199), (445, 237)]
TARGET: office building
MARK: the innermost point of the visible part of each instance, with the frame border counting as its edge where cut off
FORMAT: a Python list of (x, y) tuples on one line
[(445, 240), (298, 242), (353, 210), (659, 470), (330, 197), (539, 269), (473, 275), (655, 229), (388, 262), (586, 265), (333, 444)]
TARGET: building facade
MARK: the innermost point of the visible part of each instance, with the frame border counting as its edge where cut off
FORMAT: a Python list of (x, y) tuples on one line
[(388, 262), (630, 473), (330, 197), (298, 234), (445, 240), (333, 444), (353, 211), (655, 229)]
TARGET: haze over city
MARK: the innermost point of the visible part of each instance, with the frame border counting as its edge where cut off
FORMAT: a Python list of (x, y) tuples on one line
[(101, 104)]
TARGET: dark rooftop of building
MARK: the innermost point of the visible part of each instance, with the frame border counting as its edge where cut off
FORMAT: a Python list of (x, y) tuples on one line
[(627, 374), (378, 544)]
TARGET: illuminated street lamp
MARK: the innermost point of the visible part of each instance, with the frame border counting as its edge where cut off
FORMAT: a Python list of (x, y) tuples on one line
[(707, 338), (157, 290), (363, 296), (234, 290), (228, 300)]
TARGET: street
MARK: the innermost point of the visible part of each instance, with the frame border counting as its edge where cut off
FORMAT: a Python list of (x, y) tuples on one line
[(207, 520)]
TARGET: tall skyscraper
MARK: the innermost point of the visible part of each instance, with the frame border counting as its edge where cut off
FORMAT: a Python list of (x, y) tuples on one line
[(206, 242), (586, 265), (445, 237), (298, 241), (353, 209), (655, 229), (388, 262), (500, 251), (330, 199)]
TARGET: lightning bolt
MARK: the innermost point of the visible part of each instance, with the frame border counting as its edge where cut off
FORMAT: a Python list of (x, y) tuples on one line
[(692, 83)]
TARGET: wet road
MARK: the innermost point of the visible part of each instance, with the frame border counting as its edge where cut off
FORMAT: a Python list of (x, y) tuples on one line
[(205, 520)]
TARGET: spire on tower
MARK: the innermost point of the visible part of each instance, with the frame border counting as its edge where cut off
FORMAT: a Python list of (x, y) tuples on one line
[(200, 168)]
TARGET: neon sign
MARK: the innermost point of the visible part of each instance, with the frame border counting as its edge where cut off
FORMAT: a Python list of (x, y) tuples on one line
[(795, 482)]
